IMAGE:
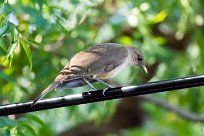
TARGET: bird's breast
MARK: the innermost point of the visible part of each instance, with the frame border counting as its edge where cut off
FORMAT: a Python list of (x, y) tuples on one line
[(114, 72)]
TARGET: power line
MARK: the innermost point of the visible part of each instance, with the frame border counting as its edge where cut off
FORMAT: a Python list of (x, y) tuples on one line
[(112, 93)]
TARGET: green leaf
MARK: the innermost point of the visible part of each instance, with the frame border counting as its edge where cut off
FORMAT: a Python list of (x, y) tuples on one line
[(11, 49), (125, 40), (10, 27), (2, 19), (26, 47), (159, 17), (19, 133), (4, 121), (15, 131), (13, 37), (38, 120), (5, 77), (5, 8), (1, 1), (29, 128), (36, 44), (7, 132), (2, 45), (10, 59), (3, 29), (7, 28)]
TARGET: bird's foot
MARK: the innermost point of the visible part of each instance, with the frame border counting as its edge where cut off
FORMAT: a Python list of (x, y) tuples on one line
[(104, 90), (89, 92)]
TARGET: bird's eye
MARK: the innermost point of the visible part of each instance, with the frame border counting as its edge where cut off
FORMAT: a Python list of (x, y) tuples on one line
[(140, 58)]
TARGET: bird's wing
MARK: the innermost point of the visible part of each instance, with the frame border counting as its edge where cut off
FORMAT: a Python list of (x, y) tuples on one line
[(98, 59), (43, 93)]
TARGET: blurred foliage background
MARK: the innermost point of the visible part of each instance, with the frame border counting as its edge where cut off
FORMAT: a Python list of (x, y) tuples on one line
[(38, 37)]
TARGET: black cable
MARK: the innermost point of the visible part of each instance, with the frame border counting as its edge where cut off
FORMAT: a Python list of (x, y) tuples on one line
[(112, 93)]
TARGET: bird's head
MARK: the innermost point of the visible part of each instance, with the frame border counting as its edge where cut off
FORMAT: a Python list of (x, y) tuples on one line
[(137, 58)]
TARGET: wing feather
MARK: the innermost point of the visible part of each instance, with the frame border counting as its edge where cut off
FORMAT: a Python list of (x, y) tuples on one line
[(98, 59)]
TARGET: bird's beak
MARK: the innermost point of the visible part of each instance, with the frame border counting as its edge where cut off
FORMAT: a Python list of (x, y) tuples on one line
[(145, 69)]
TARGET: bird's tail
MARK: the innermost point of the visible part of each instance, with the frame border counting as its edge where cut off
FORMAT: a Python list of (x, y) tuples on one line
[(43, 93)]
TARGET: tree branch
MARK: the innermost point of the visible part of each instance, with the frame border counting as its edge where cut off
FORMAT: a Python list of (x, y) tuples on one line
[(180, 112), (112, 93)]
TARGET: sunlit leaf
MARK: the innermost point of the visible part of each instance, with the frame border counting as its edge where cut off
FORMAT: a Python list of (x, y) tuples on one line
[(159, 17), (26, 47), (20, 133), (2, 18), (29, 128), (125, 40), (15, 132), (160, 40), (11, 49), (11, 59)]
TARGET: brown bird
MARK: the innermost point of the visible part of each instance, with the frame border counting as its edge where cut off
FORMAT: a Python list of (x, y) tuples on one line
[(96, 63)]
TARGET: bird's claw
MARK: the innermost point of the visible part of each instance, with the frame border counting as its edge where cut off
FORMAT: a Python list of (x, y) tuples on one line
[(104, 90), (91, 91)]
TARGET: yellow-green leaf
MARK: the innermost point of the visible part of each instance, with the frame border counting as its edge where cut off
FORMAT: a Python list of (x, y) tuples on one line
[(11, 49), (125, 40), (10, 59), (26, 47), (159, 17)]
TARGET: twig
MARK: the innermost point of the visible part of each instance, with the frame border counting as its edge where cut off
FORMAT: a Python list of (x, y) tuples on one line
[(180, 112)]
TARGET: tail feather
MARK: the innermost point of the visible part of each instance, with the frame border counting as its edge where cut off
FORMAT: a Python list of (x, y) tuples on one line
[(43, 93)]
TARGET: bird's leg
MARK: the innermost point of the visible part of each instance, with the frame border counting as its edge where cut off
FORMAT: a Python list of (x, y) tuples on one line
[(104, 83), (86, 80)]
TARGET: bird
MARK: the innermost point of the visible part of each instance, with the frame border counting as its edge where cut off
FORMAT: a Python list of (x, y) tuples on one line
[(95, 64)]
